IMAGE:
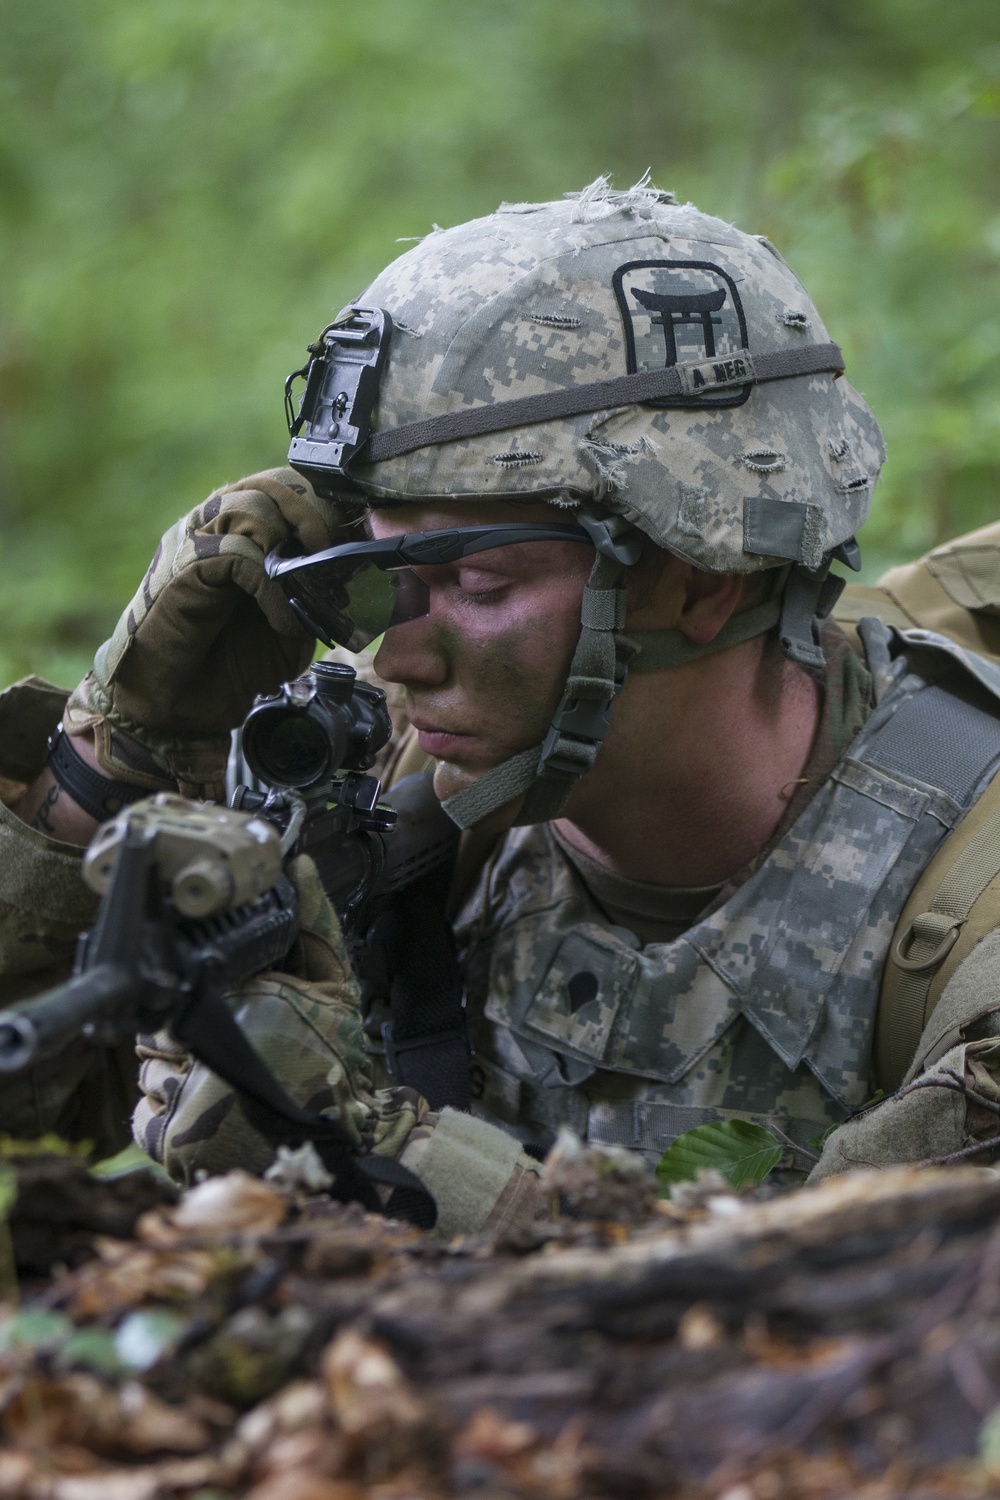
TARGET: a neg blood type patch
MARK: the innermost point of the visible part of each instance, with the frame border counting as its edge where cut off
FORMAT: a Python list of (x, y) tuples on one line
[(681, 312)]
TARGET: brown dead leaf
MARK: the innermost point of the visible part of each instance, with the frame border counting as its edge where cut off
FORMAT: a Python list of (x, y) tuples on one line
[(108, 1484), (303, 1486), (494, 1454), (150, 1482), (700, 1329), (557, 1470), (777, 1354), (70, 1458), (366, 1387), (145, 1424), (234, 1204), (301, 1404), (129, 1276), (80, 1409), (314, 1450), (387, 1423), (487, 1435), (16, 1470)]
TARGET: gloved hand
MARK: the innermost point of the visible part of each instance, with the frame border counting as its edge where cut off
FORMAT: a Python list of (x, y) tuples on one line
[(206, 631), (306, 1024)]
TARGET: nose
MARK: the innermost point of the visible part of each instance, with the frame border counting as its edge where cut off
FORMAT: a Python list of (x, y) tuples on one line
[(413, 655)]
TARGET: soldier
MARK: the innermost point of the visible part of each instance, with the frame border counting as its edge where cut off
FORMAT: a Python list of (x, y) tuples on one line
[(706, 827)]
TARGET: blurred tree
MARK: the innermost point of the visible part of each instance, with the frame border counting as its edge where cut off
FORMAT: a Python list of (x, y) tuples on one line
[(189, 187)]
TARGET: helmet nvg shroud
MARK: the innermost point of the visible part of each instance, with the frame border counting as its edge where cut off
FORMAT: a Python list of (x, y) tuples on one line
[(639, 364)]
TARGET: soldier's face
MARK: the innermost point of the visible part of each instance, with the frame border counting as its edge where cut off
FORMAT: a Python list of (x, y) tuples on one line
[(484, 669)]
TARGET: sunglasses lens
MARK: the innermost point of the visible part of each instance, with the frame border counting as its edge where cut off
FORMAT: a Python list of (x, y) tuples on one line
[(352, 601), (413, 597)]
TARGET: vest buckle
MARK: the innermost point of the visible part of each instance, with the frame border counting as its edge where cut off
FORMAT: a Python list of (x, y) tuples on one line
[(934, 929)]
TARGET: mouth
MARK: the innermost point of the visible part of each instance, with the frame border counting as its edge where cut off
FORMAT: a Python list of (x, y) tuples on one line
[(443, 744)]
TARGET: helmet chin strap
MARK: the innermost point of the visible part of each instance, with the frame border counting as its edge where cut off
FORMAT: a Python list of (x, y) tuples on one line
[(548, 772), (604, 655)]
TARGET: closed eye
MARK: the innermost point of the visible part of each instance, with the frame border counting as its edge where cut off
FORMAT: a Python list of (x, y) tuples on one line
[(481, 583)]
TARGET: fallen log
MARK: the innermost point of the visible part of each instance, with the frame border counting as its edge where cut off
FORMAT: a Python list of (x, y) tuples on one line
[(843, 1339)]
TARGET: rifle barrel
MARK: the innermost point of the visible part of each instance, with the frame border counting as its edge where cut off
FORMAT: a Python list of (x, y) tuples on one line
[(41, 1027)]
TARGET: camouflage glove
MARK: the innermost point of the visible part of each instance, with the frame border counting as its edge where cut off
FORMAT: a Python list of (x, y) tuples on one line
[(306, 1024), (206, 631)]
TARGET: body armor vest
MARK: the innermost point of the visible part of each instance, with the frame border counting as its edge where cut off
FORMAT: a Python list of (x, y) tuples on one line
[(765, 1008)]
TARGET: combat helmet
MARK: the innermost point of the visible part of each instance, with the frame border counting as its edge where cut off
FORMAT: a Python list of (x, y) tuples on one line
[(644, 367)]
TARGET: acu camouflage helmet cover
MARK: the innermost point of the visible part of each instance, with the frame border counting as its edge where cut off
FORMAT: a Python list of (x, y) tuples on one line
[(542, 296)]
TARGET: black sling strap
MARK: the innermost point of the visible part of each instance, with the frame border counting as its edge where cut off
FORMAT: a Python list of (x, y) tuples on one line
[(208, 1027), (409, 953)]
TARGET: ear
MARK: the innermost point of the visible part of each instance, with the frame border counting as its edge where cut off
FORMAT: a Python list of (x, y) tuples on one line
[(708, 601), (668, 593)]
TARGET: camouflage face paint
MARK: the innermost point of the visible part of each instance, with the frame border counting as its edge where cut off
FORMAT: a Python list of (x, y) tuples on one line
[(484, 670), (511, 685)]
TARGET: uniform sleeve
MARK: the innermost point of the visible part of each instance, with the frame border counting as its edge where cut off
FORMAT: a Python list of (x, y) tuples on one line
[(82, 1093), (44, 903), (950, 1100)]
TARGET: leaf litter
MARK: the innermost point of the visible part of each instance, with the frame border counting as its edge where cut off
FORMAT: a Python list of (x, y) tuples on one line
[(253, 1340)]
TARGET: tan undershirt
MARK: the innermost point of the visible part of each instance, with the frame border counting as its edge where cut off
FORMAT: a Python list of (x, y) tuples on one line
[(660, 913)]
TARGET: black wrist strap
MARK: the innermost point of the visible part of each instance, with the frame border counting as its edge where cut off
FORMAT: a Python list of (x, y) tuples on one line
[(98, 795)]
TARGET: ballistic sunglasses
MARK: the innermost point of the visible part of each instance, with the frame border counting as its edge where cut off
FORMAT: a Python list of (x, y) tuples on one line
[(348, 595)]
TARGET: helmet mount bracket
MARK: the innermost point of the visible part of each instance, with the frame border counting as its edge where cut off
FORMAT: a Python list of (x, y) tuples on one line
[(342, 377)]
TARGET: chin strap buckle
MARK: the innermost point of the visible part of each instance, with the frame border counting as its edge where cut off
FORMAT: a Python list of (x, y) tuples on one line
[(806, 602), (578, 726), (613, 536)]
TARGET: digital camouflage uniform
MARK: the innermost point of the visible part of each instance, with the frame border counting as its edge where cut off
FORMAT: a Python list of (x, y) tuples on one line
[(764, 1010), (307, 1022), (766, 1007)]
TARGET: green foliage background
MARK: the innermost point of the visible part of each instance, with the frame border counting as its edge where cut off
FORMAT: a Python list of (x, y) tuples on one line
[(190, 188)]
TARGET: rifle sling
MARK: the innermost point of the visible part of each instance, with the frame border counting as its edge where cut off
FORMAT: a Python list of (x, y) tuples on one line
[(208, 1028), (407, 956), (426, 1042)]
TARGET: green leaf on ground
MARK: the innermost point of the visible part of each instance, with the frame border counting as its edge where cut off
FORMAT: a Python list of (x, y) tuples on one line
[(744, 1153), (91, 1349), (132, 1159), (35, 1328)]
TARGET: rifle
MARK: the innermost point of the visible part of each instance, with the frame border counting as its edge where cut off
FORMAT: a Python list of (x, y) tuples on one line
[(195, 900)]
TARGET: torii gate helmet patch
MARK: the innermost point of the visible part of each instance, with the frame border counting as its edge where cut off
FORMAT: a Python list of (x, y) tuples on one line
[(679, 312)]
